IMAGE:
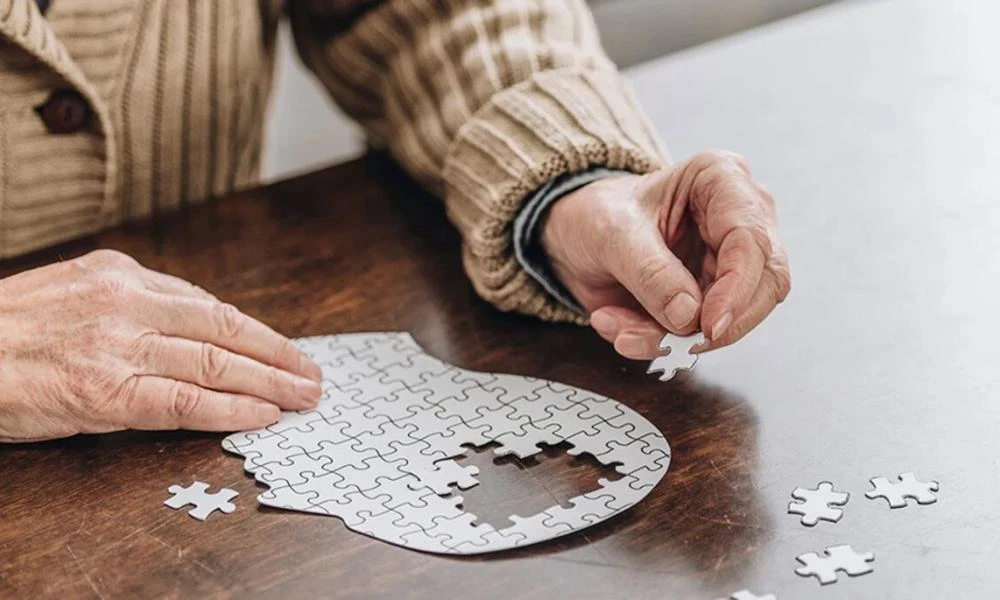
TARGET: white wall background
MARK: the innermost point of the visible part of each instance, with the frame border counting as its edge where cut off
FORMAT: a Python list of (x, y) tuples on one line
[(306, 131)]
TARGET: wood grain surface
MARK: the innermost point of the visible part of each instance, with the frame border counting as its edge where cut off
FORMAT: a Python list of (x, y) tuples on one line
[(875, 125), (358, 248)]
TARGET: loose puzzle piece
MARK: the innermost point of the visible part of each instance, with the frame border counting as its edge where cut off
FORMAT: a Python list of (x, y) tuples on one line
[(204, 503), (376, 451), (838, 558), (678, 357), (746, 595), (907, 486), (815, 505)]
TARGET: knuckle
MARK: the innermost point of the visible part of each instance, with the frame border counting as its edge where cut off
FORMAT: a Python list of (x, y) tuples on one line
[(649, 273), (127, 391), (202, 292), (144, 350), (783, 282), (228, 319), (96, 388), (653, 277), (278, 383), (108, 259), (285, 353), (761, 236), (724, 159), (106, 289), (766, 196), (185, 399), (214, 363)]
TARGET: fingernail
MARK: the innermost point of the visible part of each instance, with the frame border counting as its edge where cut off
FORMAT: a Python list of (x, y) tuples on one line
[(311, 369), (632, 345), (681, 310), (720, 326), (307, 390), (266, 412), (604, 324)]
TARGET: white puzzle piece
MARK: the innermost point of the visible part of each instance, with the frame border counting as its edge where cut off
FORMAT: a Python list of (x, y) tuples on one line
[(677, 355), (838, 558), (906, 486), (204, 503), (376, 452), (819, 504)]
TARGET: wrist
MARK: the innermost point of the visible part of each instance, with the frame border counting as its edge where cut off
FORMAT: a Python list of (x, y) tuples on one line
[(579, 223)]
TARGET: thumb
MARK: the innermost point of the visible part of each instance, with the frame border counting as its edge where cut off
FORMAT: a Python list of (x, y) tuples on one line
[(659, 281)]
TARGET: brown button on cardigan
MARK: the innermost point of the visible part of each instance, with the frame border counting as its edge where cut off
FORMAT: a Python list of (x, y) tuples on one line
[(483, 101)]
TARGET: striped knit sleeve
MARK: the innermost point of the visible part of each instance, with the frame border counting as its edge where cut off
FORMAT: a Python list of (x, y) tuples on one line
[(483, 102)]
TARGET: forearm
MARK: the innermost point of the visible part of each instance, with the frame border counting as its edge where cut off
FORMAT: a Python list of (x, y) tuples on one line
[(483, 104)]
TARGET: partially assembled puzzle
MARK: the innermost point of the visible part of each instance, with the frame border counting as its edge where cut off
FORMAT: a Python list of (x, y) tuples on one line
[(377, 451)]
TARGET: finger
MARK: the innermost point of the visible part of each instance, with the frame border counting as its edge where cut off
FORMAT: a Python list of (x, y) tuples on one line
[(660, 282), (639, 344), (609, 321), (709, 267), (218, 369), (768, 295), (170, 285), (634, 335), (740, 264), (225, 326), (161, 403)]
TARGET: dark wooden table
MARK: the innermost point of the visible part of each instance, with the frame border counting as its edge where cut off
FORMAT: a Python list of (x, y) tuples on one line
[(882, 144)]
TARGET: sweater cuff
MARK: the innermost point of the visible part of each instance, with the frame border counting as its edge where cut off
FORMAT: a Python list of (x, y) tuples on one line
[(527, 228), (555, 123)]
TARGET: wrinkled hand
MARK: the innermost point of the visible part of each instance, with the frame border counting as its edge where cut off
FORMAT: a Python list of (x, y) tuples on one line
[(101, 344), (690, 247)]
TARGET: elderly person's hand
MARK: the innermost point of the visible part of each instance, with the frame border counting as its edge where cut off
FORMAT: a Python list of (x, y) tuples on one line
[(101, 344), (690, 247)]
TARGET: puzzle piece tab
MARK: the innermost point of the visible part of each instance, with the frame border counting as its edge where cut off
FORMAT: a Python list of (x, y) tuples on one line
[(907, 486)]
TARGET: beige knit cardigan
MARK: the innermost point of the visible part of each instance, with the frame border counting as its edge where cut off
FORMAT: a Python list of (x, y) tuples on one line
[(482, 101)]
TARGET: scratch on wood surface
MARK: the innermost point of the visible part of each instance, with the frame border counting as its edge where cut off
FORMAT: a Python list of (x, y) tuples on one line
[(181, 555), (720, 562), (177, 549), (82, 529), (721, 474), (85, 576)]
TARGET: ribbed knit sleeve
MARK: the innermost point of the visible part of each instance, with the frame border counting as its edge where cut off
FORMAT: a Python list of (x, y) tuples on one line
[(483, 102)]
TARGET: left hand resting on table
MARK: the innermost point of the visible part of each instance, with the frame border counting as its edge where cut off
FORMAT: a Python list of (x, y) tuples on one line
[(693, 246)]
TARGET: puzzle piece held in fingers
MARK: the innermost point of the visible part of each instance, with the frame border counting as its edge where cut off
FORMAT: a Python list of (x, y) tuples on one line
[(678, 355)]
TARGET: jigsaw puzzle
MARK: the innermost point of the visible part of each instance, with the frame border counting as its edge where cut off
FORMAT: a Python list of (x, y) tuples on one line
[(907, 486), (678, 355), (818, 504), (376, 452), (204, 503), (838, 558)]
